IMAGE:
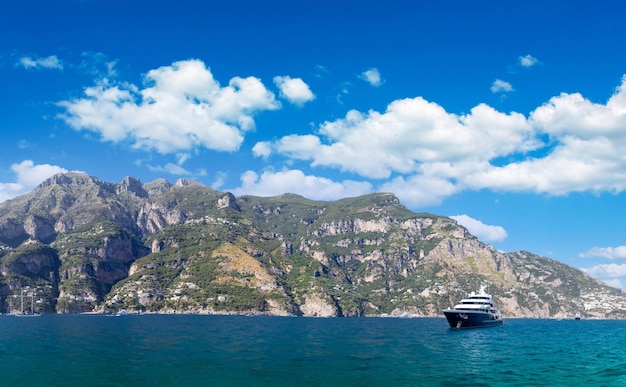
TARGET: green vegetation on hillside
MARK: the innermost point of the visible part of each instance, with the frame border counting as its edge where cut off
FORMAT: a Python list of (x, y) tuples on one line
[(83, 245)]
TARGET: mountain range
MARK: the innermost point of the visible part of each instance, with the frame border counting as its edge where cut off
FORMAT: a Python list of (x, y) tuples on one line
[(76, 244)]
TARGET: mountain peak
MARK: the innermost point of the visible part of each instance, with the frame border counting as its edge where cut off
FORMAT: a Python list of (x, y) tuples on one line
[(131, 184), (69, 179), (88, 244), (184, 182), (158, 185)]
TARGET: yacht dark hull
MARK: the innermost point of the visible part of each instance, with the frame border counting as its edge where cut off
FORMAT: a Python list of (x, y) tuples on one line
[(459, 319)]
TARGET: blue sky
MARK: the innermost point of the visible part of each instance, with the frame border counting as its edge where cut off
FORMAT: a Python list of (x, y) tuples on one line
[(508, 116)]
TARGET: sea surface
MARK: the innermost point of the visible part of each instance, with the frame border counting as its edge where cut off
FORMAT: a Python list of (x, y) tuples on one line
[(197, 350)]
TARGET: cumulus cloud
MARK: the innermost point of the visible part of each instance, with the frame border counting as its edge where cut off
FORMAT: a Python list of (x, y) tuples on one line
[(611, 270), (569, 144), (575, 116), (612, 274), (411, 136), (294, 90), (528, 61), (271, 183), (482, 231), (262, 149), (420, 191), (584, 150), (178, 108), (618, 252), (372, 76), (28, 176), (50, 62), (500, 86)]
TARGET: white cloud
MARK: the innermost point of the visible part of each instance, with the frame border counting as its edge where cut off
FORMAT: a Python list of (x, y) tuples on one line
[(567, 145), (262, 149), (28, 176), (294, 90), (177, 169), (618, 252), (295, 181), (179, 108), (171, 168), (182, 157), (220, 177), (49, 62), (611, 274), (482, 231), (372, 76), (584, 151), (571, 115), (411, 136), (528, 61), (500, 86), (420, 191), (615, 282)]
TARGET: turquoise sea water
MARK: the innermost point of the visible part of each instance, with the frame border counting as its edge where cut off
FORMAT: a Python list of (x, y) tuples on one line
[(174, 350)]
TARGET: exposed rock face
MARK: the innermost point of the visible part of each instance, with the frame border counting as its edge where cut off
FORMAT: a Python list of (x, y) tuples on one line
[(37, 261), (86, 245), (12, 232), (229, 201), (94, 258), (315, 306), (39, 229), (154, 217), (157, 186), (131, 185)]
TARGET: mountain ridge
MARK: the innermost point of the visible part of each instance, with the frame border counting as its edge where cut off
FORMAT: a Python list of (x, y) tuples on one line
[(85, 245)]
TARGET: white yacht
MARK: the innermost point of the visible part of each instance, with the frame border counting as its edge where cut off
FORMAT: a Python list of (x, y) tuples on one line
[(475, 311)]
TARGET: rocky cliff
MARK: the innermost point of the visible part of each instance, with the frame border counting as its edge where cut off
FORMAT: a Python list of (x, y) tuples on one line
[(79, 244)]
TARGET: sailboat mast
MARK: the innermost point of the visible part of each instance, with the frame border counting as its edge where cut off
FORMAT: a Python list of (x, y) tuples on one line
[(22, 300)]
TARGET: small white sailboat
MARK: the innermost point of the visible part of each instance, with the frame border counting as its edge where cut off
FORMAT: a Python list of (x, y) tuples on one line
[(32, 305)]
